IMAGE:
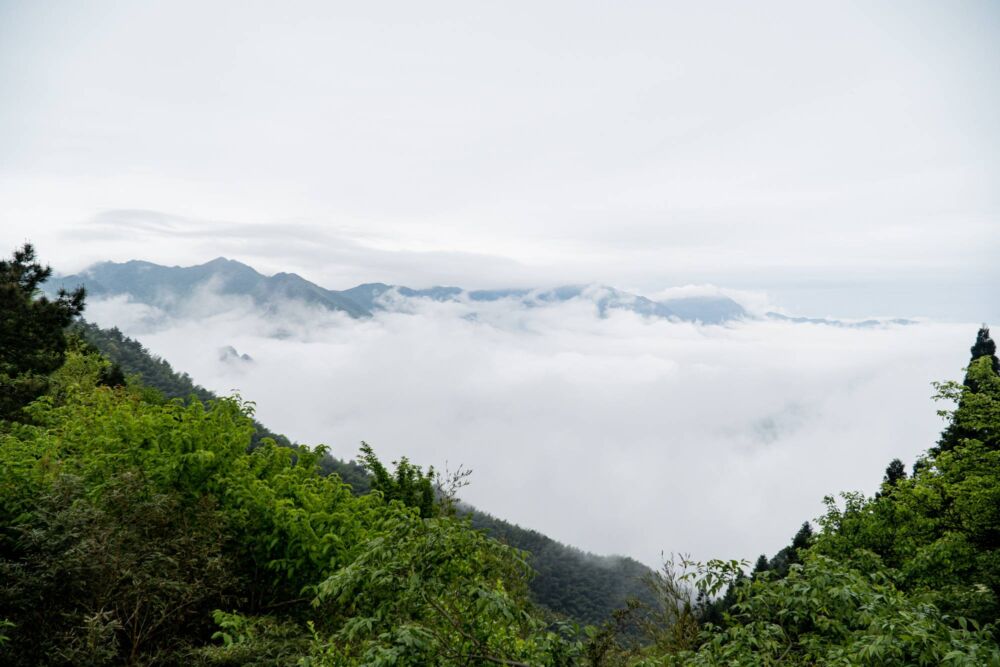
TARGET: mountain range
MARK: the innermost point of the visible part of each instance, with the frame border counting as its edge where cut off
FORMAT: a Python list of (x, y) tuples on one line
[(168, 287)]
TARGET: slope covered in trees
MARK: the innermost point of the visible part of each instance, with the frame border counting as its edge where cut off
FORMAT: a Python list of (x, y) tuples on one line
[(579, 586), (910, 576), (135, 530), (150, 371)]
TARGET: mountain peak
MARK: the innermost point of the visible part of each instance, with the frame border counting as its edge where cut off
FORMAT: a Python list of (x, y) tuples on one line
[(225, 262)]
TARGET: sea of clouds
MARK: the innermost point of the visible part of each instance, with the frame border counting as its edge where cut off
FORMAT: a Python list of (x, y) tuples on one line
[(617, 434)]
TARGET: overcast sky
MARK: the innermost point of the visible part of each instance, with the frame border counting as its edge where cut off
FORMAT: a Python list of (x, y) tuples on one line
[(832, 159), (840, 156)]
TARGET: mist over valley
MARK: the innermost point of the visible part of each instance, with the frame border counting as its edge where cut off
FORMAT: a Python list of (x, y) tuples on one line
[(735, 414)]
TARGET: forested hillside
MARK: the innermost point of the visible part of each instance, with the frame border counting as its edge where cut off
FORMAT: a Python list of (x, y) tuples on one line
[(580, 586), (140, 530)]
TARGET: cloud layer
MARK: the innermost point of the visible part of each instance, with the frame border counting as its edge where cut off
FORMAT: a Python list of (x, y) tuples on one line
[(616, 434)]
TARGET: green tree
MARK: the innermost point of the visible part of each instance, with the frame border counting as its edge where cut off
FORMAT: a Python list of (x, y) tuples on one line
[(983, 348), (125, 577), (826, 613), (408, 483), (434, 592), (895, 472), (32, 330)]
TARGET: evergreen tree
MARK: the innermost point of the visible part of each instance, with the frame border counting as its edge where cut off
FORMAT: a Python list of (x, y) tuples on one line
[(801, 540), (894, 472), (408, 483), (984, 346), (32, 330)]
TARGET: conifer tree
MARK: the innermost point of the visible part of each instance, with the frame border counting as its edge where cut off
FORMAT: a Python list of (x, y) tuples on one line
[(983, 347), (895, 472), (32, 330)]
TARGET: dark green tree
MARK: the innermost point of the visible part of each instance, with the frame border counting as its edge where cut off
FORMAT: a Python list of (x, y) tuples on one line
[(32, 330), (983, 347), (762, 565), (894, 472), (802, 539), (408, 483)]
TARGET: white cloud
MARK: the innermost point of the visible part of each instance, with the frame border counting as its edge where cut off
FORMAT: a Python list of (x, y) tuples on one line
[(616, 434)]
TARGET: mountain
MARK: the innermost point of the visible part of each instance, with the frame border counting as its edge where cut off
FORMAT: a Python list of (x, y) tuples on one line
[(170, 287), (581, 586), (863, 324)]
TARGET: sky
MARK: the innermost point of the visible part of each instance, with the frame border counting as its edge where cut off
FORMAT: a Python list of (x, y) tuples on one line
[(825, 159), (842, 156)]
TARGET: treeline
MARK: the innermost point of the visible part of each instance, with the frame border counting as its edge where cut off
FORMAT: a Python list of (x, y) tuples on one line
[(141, 530)]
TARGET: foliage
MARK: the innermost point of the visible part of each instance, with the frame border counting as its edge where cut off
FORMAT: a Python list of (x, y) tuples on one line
[(432, 591), (407, 483), (254, 641), (571, 583), (826, 613), (32, 338), (911, 576), (127, 573), (153, 375), (141, 517), (983, 349), (940, 529)]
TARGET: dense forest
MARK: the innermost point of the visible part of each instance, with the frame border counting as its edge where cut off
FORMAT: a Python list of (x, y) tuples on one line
[(141, 529)]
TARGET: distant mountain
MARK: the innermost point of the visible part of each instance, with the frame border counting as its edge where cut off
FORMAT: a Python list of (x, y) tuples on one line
[(169, 287), (862, 324), (172, 287)]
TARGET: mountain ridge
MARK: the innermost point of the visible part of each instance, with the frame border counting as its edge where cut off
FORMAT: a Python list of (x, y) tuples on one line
[(165, 286)]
